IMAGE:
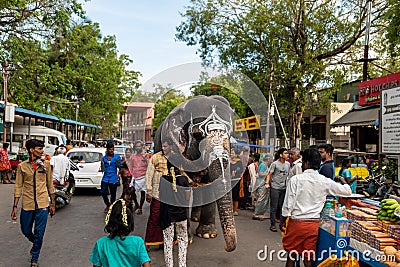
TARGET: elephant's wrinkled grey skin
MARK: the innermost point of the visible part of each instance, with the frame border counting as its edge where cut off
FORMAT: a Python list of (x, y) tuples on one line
[(200, 129)]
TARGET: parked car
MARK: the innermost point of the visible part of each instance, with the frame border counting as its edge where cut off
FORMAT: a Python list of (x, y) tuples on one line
[(88, 161), (120, 150)]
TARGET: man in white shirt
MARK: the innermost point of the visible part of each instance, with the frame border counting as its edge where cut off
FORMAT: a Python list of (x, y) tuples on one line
[(60, 165), (305, 197), (295, 156)]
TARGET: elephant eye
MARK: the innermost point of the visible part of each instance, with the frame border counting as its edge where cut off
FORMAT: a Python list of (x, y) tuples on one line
[(198, 136)]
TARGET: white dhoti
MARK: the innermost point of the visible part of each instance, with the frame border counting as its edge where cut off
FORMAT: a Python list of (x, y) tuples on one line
[(139, 183)]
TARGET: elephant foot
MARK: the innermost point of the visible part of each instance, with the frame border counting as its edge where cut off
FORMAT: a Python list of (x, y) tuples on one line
[(206, 231)]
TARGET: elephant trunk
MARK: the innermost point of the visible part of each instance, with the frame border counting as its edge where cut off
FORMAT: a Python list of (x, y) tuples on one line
[(219, 169), (225, 211)]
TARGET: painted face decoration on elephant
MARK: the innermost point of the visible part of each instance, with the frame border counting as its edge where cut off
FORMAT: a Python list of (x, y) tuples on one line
[(217, 130)]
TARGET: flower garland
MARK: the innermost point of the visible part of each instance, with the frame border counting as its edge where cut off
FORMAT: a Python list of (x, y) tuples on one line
[(172, 171), (124, 215)]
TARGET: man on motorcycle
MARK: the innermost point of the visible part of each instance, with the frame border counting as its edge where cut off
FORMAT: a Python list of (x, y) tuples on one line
[(60, 165)]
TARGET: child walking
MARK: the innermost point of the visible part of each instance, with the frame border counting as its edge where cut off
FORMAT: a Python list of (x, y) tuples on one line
[(119, 248)]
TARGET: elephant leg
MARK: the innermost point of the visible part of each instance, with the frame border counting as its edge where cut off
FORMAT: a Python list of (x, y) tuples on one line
[(195, 216), (206, 228)]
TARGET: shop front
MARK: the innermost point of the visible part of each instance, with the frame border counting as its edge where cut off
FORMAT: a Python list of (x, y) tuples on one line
[(363, 118), (364, 134)]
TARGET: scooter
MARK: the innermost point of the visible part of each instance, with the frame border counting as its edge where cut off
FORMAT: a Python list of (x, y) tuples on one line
[(63, 193)]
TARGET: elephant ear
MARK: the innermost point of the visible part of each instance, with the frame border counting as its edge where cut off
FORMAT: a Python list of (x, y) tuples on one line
[(173, 128)]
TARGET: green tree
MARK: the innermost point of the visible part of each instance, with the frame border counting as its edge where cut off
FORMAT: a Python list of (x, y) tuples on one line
[(152, 96), (33, 19), (393, 29), (241, 108), (78, 66), (294, 47), (167, 101)]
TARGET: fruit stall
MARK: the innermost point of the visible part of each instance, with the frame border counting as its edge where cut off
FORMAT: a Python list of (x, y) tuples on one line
[(366, 234)]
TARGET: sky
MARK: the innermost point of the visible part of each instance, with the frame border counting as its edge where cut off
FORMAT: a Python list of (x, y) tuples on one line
[(145, 31)]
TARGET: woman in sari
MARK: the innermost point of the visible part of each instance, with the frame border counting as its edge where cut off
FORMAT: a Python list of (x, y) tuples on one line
[(262, 193)]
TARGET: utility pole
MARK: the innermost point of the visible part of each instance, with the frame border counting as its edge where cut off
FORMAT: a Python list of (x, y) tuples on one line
[(267, 133), (365, 60), (5, 78), (76, 119), (76, 104)]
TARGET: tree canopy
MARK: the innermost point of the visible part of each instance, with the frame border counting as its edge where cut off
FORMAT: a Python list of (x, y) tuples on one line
[(393, 28), (63, 60), (294, 47), (167, 99)]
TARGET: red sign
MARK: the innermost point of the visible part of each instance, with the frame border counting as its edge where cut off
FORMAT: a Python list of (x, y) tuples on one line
[(369, 92)]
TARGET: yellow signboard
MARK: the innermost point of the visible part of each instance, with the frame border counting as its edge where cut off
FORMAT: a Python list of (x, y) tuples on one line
[(240, 125), (247, 124)]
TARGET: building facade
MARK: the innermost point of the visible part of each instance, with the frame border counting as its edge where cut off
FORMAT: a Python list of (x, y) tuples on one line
[(137, 122)]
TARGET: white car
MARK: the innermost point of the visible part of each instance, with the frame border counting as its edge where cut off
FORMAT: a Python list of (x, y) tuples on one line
[(120, 150), (88, 161)]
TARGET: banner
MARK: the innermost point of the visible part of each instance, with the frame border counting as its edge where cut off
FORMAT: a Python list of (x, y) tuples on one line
[(247, 124), (369, 92)]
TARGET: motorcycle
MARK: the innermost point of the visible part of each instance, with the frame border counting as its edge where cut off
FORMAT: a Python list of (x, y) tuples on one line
[(63, 192), (378, 187)]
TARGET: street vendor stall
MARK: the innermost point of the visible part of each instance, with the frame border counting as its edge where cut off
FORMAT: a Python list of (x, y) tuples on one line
[(366, 235)]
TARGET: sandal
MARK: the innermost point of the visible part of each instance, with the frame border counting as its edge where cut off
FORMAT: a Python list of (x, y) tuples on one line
[(139, 212), (273, 229)]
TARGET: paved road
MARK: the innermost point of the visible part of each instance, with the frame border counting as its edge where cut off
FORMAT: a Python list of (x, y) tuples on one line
[(72, 232)]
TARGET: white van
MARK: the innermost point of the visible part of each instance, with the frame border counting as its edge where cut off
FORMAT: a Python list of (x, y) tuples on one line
[(51, 138)]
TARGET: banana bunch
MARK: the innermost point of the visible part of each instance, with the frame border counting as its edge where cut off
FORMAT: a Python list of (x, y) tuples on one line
[(388, 207)]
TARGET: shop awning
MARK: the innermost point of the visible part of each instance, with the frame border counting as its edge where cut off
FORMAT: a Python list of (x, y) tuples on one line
[(358, 117)]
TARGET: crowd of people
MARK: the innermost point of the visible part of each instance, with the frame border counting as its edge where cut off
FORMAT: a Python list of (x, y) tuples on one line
[(271, 185)]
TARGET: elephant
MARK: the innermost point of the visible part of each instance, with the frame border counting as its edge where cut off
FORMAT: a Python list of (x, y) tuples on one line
[(200, 131)]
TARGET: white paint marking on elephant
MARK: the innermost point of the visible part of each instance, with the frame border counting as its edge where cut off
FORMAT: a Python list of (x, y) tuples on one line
[(177, 128), (214, 122)]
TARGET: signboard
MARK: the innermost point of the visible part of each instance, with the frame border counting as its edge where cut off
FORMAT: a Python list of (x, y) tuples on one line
[(390, 121), (240, 125), (253, 123), (247, 124), (10, 113), (1, 124), (369, 92)]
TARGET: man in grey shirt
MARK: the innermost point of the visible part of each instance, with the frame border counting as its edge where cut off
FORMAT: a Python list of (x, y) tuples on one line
[(276, 180)]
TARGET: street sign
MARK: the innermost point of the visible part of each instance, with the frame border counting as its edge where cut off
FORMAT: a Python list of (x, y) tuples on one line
[(1, 124), (390, 121)]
